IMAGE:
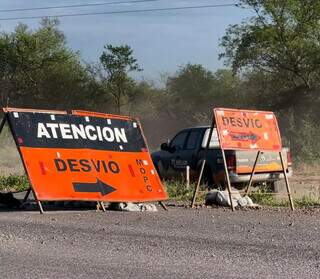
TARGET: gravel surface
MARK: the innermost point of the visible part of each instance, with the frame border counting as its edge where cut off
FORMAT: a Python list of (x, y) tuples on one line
[(180, 243)]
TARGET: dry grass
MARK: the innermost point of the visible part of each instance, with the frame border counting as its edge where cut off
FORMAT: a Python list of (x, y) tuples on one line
[(10, 162), (306, 169)]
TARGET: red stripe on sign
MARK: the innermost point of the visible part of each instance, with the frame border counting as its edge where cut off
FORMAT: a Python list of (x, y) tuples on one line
[(276, 147), (131, 171), (42, 168)]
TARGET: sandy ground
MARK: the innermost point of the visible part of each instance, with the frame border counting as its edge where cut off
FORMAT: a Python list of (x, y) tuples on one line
[(180, 243)]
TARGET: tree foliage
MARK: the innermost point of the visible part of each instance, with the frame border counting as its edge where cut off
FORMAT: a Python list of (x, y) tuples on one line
[(282, 38), (275, 58), (279, 50), (118, 62), (193, 84), (37, 68)]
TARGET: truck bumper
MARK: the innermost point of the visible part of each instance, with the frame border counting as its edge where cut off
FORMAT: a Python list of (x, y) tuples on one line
[(258, 177)]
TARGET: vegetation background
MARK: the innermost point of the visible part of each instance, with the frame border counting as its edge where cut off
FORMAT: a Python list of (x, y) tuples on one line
[(272, 63)]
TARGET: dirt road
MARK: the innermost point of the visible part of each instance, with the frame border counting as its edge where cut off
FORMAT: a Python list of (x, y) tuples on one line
[(181, 243)]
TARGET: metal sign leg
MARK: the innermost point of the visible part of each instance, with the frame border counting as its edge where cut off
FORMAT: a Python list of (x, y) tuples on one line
[(198, 184), (38, 202), (203, 164), (26, 195), (24, 166), (252, 173), (102, 206), (287, 182), (228, 178), (3, 122), (163, 205)]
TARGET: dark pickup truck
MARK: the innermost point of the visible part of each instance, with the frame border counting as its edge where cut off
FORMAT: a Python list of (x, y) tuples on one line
[(187, 148)]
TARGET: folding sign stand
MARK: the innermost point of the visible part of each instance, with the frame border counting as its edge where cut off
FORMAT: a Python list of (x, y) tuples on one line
[(203, 165), (233, 135), (84, 156), (247, 191), (3, 122)]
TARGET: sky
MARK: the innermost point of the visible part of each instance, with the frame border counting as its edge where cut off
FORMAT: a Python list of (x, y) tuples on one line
[(162, 41)]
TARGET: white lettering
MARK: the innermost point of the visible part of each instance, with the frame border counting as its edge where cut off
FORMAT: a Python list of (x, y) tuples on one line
[(78, 131), (42, 131), (74, 131), (120, 135), (99, 133), (65, 131), (53, 127), (88, 129), (108, 134)]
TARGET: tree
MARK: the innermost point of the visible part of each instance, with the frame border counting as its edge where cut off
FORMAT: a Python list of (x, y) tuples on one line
[(118, 62), (193, 84), (282, 38), (38, 69), (280, 46)]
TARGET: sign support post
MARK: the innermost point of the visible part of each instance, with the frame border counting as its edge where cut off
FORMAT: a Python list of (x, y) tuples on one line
[(100, 206), (287, 182), (163, 205), (3, 122), (26, 196), (195, 193), (245, 130), (26, 171), (228, 178), (247, 191)]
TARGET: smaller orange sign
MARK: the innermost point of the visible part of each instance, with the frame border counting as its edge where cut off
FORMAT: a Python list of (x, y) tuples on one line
[(247, 129)]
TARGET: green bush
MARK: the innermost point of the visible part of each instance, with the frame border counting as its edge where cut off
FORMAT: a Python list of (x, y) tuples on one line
[(264, 197), (14, 183), (179, 191)]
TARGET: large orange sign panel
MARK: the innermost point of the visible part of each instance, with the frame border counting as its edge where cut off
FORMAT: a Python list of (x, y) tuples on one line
[(85, 156), (247, 129)]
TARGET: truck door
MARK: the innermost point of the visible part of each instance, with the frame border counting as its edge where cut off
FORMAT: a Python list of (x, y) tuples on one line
[(190, 153), (177, 163)]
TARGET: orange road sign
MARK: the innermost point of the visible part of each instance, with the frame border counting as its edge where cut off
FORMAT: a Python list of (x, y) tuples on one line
[(247, 129), (85, 156)]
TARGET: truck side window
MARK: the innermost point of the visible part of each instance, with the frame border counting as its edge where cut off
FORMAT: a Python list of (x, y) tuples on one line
[(179, 140), (214, 142), (192, 140)]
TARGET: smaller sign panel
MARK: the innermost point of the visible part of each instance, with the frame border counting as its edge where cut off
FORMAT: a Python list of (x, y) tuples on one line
[(85, 156), (247, 129)]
